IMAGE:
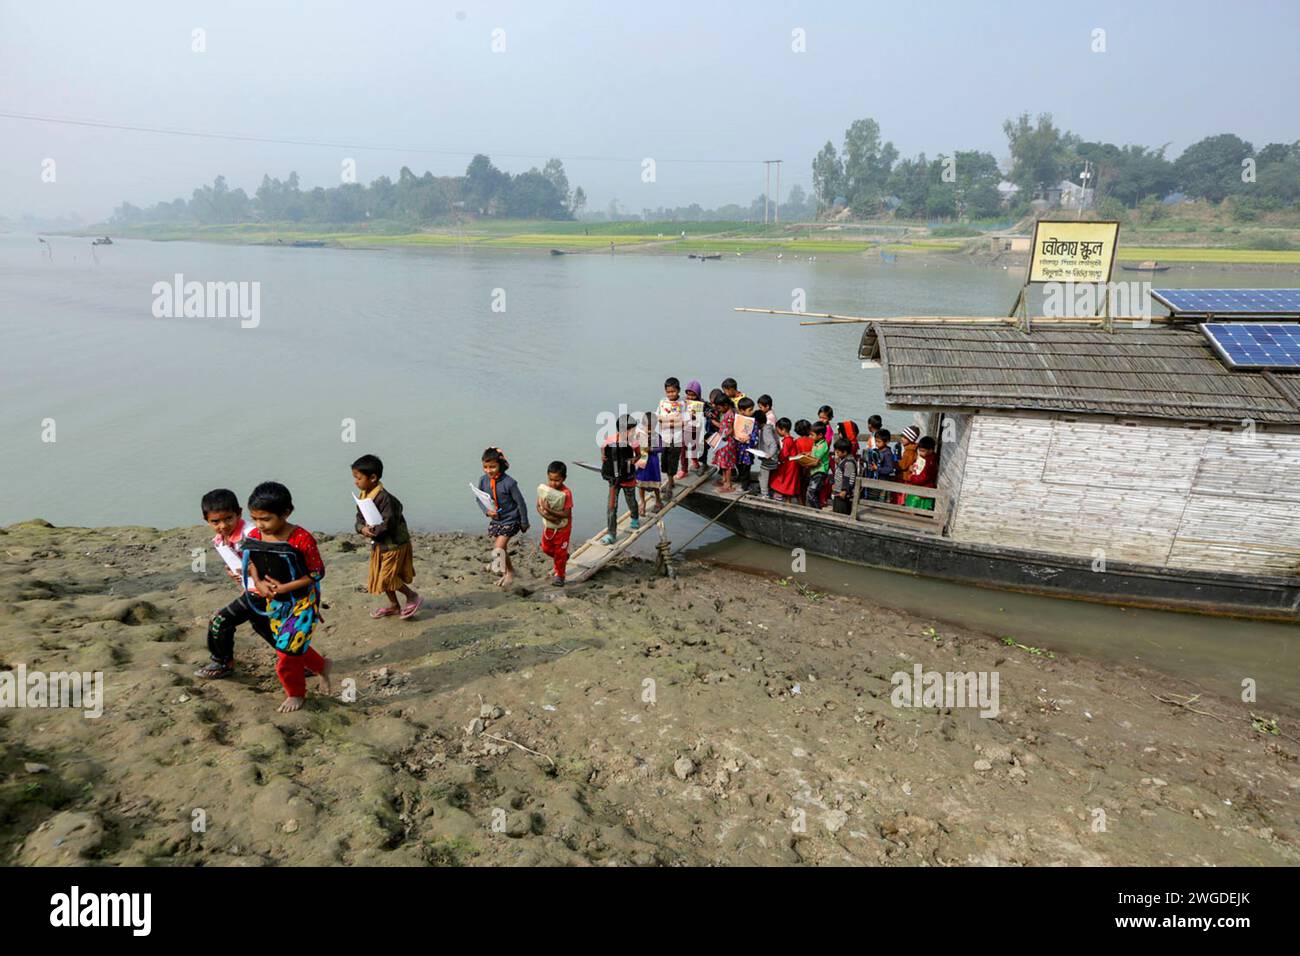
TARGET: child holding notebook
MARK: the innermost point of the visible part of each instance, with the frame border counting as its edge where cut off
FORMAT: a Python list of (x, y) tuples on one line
[(507, 512), (747, 436), (787, 481), (223, 514), (291, 608), (555, 505), (392, 566)]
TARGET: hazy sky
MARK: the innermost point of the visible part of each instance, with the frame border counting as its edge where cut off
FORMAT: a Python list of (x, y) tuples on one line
[(602, 85)]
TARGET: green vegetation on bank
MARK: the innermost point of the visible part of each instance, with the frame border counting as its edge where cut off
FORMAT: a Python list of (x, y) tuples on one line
[(731, 238), (1189, 232)]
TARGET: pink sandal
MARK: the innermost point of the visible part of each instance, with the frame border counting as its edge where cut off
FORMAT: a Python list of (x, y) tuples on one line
[(412, 607), (386, 611)]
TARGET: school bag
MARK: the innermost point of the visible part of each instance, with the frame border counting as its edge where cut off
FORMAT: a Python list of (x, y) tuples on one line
[(273, 559)]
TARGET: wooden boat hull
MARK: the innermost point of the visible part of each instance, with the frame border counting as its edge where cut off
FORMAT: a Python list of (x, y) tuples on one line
[(880, 545)]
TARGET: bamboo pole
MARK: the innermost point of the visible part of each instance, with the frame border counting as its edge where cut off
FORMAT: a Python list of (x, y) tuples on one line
[(1141, 322), (831, 318)]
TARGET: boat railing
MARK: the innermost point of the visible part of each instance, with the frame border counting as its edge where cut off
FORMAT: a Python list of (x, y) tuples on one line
[(931, 518)]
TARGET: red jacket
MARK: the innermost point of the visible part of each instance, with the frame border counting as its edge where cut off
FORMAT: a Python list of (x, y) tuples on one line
[(929, 475)]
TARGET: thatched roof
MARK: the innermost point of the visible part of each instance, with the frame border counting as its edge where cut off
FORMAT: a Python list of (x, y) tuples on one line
[(1148, 373)]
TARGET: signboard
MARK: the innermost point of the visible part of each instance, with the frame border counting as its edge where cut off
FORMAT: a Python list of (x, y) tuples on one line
[(1073, 251)]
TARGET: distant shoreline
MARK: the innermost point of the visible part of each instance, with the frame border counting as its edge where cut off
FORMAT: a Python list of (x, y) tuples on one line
[(861, 240)]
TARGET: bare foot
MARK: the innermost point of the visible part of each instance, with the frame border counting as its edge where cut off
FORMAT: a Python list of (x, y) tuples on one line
[(325, 687), (507, 579), (290, 705)]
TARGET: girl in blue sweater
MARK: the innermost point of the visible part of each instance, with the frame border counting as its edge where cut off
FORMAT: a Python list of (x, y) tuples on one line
[(507, 515)]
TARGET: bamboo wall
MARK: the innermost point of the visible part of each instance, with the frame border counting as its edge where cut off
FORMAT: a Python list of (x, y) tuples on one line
[(955, 431), (1165, 496)]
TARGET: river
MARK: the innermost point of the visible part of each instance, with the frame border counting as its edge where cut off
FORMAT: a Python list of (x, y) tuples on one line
[(425, 357)]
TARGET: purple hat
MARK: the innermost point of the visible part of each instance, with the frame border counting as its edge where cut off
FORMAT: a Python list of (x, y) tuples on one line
[(694, 386)]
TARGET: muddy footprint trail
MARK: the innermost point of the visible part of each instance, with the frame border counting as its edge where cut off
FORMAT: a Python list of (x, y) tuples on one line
[(723, 718)]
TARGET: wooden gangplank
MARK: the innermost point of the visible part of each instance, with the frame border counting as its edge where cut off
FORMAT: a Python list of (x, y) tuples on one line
[(591, 556)]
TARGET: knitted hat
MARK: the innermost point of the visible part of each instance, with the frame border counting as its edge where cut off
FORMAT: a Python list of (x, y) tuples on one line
[(910, 434)]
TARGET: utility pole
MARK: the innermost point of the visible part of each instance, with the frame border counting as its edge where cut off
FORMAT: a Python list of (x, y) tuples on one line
[(767, 187), (778, 190)]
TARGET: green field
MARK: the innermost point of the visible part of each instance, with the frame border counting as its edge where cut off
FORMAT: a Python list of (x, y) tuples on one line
[(726, 237), (1203, 254), (1240, 244)]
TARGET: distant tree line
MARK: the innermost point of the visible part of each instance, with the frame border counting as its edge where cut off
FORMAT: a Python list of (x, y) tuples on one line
[(795, 207), (484, 191), (866, 176)]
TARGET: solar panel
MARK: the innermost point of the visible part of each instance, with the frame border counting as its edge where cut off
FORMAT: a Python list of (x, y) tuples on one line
[(1229, 301), (1255, 344)]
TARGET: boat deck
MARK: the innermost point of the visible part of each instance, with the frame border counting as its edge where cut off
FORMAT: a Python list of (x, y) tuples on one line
[(929, 522)]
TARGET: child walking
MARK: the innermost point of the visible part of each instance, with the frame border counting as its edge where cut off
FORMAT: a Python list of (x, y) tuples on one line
[(648, 473), (555, 505), (618, 467), (507, 515), (223, 514), (392, 565), (292, 608)]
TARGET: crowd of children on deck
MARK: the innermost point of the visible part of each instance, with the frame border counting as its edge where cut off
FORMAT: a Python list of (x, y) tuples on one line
[(815, 463), (812, 463)]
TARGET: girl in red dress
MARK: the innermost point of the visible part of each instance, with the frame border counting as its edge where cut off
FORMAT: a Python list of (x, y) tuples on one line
[(785, 483)]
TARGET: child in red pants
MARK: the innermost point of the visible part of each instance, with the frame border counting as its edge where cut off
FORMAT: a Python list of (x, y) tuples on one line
[(293, 607), (555, 505)]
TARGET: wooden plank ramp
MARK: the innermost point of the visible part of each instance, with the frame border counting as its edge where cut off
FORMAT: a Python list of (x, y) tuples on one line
[(591, 556)]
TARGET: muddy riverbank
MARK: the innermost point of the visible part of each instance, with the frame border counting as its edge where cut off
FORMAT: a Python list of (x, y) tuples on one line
[(723, 718)]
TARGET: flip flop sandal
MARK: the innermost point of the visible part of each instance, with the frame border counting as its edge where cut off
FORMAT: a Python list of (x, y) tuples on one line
[(412, 607), (385, 611)]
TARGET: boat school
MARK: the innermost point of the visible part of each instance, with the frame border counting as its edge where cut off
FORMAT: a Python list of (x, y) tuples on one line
[(1125, 460)]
